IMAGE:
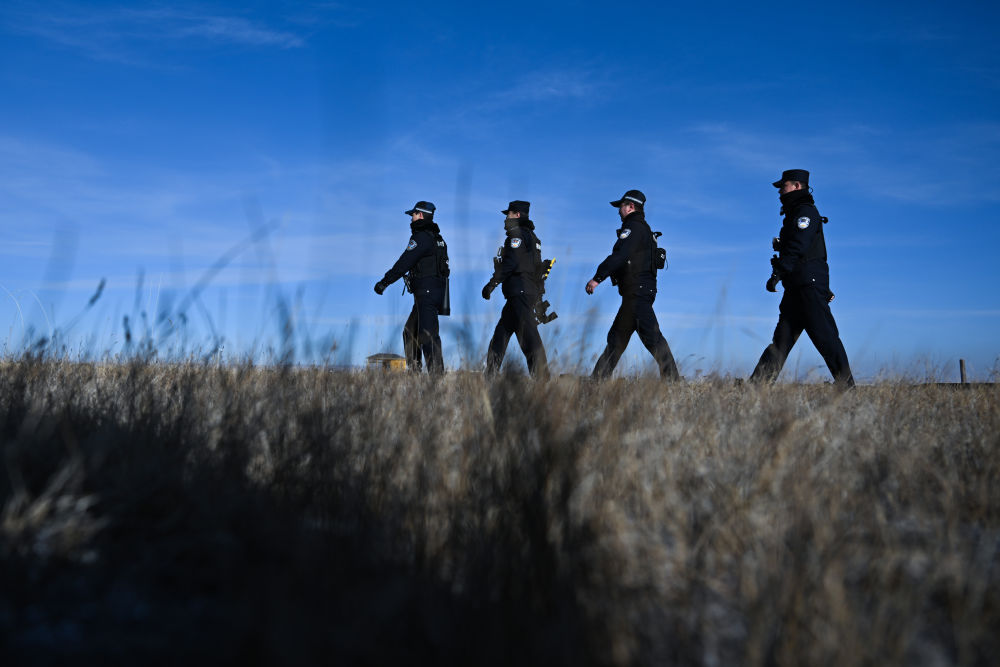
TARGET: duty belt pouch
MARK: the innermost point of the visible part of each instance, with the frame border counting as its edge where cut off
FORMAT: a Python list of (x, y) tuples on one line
[(659, 254)]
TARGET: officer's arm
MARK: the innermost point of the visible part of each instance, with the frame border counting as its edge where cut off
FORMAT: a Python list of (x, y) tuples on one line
[(796, 243), (509, 263), (616, 260), (417, 247)]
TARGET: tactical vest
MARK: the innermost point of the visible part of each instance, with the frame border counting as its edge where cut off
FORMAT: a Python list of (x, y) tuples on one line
[(810, 267), (817, 249), (434, 265), (643, 260), (532, 272)]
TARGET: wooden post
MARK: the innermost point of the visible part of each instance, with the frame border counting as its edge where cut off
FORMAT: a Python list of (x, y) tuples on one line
[(961, 369)]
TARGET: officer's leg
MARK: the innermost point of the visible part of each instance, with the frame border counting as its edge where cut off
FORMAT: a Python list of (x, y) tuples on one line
[(527, 336), (785, 334), (410, 347), (652, 338), (498, 344), (618, 337), (428, 335), (822, 331)]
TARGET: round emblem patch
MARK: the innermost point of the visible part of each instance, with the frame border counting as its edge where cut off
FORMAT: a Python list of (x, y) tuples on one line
[(515, 243), (803, 223), (624, 233), (411, 245)]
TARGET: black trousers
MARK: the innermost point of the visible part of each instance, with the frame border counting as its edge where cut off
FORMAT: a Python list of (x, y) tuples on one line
[(805, 308), (518, 318), (636, 314), (421, 335)]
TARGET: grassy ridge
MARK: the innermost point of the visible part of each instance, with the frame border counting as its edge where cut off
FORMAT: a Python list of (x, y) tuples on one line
[(298, 516)]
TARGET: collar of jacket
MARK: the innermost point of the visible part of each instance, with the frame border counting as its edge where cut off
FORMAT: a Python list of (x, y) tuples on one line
[(511, 224), (790, 200), (425, 226), (633, 217)]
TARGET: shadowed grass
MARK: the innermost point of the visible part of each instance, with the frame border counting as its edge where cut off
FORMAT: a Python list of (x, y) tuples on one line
[(295, 516)]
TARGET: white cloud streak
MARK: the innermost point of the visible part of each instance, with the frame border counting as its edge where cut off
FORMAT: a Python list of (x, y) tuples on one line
[(928, 167), (234, 30), (125, 35)]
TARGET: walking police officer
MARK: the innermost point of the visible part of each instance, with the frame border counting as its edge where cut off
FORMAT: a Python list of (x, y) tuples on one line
[(801, 267), (425, 264), (519, 271), (632, 266)]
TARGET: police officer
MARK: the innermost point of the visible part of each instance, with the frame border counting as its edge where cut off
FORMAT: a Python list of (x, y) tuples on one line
[(631, 266), (519, 271), (801, 267), (425, 263)]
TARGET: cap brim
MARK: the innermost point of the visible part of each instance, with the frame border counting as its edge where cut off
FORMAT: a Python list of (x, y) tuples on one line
[(618, 203), (505, 212), (777, 184), (410, 212)]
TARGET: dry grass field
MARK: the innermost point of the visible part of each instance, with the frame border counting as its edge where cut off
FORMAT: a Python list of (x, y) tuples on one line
[(154, 513)]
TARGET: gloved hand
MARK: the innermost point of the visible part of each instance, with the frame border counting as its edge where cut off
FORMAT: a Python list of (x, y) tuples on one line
[(488, 289), (380, 287), (772, 283)]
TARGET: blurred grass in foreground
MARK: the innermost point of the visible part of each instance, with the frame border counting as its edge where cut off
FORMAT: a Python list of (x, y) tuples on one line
[(298, 516)]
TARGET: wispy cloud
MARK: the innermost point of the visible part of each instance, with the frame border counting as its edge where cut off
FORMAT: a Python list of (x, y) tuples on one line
[(554, 84), (924, 166), (544, 88), (233, 30), (125, 35), (943, 313)]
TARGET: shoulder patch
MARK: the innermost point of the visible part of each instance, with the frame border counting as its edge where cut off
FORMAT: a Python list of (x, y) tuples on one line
[(515, 242), (802, 222), (440, 244), (412, 244), (538, 246), (624, 233)]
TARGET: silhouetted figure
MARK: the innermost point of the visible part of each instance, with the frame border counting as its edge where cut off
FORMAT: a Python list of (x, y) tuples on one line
[(801, 267)]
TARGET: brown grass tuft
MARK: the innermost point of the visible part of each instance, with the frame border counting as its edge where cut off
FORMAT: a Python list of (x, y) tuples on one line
[(301, 516)]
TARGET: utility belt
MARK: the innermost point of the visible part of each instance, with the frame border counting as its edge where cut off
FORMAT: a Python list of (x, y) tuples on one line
[(417, 286)]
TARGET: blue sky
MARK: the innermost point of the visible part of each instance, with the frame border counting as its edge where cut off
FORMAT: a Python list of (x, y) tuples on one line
[(226, 167)]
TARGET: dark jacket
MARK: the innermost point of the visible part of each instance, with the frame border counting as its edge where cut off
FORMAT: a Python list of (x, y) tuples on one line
[(630, 263), (520, 260), (801, 246), (425, 260)]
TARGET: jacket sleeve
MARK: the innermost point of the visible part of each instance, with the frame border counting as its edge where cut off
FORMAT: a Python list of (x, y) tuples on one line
[(509, 263), (797, 236), (419, 245), (619, 255)]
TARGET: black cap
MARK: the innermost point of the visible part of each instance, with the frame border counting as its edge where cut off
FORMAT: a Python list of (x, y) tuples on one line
[(518, 206), (633, 196), (424, 207), (800, 175)]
